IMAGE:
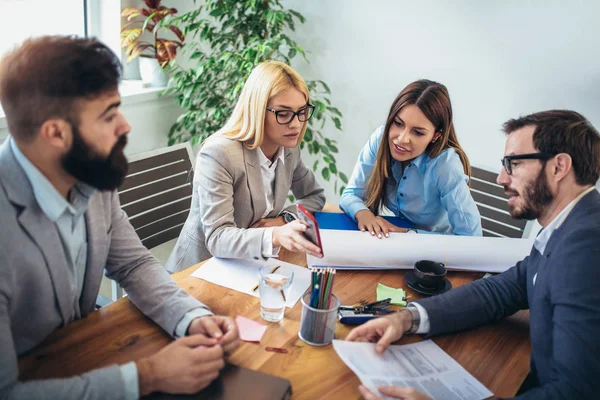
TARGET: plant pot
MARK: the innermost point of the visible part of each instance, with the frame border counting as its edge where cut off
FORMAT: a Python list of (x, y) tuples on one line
[(152, 74)]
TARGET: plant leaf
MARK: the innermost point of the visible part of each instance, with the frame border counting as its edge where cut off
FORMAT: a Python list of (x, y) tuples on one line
[(129, 36), (130, 12), (177, 32), (343, 177), (337, 122)]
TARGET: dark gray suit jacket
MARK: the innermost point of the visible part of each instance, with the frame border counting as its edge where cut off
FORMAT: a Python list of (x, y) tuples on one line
[(34, 284), (229, 196), (564, 306)]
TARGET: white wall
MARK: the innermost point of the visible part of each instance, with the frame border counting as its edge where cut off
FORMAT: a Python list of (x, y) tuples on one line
[(498, 59), (150, 122), (150, 118)]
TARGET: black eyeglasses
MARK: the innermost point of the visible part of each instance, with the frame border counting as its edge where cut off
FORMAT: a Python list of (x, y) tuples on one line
[(285, 117), (507, 160)]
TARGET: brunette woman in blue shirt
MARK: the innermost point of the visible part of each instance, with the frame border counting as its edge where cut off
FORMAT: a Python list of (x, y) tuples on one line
[(414, 167)]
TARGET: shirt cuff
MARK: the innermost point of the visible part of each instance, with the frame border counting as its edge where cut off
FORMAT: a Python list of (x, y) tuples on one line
[(354, 207), (428, 232), (129, 374), (424, 324), (267, 244), (184, 323)]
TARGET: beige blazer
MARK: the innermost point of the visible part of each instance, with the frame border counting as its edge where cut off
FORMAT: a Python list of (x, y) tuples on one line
[(35, 286), (229, 197)]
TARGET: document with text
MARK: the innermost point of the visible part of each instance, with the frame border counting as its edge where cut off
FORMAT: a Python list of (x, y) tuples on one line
[(423, 366)]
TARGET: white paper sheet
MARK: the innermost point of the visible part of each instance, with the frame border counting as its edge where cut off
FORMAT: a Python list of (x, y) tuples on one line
[(359, 250), (242, 276), (423, 366)]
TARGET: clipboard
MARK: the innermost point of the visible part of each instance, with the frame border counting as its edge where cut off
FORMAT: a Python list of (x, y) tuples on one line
[(236, 383)]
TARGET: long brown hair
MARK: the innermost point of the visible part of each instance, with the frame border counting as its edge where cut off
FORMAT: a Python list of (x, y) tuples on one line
[(433, 100)]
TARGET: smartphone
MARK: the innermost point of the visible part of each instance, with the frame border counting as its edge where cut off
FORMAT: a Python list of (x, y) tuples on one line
[(312, 230)]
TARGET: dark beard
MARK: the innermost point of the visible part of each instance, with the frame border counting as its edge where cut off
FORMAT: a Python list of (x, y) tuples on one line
[(537, 197), (87, 166)]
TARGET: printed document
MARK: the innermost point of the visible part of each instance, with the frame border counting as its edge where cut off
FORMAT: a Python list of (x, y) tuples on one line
[(423, 366)]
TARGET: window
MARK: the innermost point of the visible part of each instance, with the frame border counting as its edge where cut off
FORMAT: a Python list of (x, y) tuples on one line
[(22, 19)]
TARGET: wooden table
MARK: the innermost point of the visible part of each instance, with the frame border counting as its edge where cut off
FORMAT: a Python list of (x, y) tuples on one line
[(497, 355)]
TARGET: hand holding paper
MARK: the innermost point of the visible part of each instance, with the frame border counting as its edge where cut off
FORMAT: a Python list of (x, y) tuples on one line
[(423, 366), (385, 330)]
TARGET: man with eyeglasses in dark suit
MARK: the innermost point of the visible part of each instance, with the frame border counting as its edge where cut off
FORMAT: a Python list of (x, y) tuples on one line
[(551, 164)]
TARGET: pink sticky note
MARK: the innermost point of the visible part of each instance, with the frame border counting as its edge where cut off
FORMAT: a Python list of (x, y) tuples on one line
[(250, 331)]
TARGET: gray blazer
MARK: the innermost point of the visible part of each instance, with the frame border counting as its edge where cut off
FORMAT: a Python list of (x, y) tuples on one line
[(229, 197), (34, 284)]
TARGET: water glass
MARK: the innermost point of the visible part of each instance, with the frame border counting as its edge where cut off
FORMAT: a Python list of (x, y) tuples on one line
[(274, 287)]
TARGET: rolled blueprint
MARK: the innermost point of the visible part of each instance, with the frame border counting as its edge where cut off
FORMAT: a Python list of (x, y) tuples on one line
[(359, 250)]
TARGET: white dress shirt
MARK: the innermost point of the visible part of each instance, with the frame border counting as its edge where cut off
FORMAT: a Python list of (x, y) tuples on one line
[(540, 245), (267, 169)]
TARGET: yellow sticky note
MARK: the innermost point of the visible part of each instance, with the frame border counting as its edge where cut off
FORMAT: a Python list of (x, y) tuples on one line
[(397, 295)]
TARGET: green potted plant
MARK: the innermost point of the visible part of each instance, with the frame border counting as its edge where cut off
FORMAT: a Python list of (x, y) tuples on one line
[(154, 52), (227, 39)]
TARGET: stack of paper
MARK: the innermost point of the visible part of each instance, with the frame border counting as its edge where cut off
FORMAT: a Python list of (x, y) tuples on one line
[(243, 276), (423, 366)]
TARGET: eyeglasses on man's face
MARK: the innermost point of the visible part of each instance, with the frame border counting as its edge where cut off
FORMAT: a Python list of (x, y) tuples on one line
[(507, 161), (285, 117)]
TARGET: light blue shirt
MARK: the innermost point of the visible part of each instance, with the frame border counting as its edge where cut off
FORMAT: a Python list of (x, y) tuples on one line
[(431, 193)]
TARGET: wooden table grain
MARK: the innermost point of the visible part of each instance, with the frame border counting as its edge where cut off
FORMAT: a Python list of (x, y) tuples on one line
[(497, 355)]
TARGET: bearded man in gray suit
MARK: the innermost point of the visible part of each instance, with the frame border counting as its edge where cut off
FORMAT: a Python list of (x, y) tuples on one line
[(62, 226)]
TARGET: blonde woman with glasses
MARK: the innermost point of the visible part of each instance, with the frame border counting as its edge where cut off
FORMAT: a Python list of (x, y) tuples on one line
[(245, 171)]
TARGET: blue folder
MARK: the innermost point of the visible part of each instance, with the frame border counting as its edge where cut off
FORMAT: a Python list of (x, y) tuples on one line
[(341, 221)]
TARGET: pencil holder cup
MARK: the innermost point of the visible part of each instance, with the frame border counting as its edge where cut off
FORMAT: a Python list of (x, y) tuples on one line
[(317, 326)]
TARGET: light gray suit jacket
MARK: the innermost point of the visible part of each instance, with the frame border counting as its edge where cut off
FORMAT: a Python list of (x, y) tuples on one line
[(34, 284), (229, 197)]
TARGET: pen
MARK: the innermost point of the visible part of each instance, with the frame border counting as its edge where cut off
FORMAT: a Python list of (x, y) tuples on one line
[(376, 303), (272, 271)]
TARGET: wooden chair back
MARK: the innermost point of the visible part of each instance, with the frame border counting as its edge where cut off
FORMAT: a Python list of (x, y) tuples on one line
[(157, 193), (493, 206)]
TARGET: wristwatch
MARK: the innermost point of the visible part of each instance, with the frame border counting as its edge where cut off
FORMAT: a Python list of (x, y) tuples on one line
[(412, 230), (288, 217), (416, 318)]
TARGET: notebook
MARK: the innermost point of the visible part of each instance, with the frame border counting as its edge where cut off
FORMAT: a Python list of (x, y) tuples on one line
[(236, 383), (343, 222)]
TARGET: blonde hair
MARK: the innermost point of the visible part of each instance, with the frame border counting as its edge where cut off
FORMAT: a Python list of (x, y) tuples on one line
[(268, 79)]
